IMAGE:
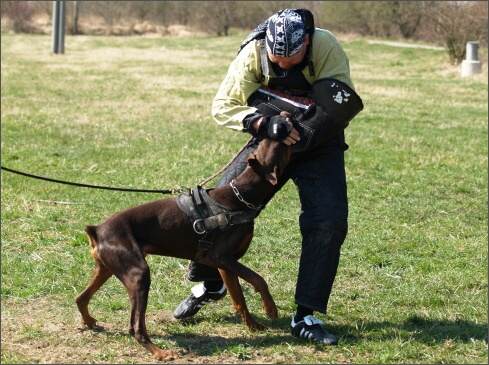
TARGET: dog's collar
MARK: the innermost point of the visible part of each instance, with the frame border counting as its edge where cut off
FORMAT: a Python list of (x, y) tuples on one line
[(241, 199)]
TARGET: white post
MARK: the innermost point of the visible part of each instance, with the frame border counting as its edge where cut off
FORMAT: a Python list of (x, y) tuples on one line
[(471, 65)]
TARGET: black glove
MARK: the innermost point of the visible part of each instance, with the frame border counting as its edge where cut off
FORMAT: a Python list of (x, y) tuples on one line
[(276, 127)]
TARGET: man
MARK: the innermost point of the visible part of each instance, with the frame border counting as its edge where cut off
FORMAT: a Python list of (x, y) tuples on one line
[(288, 64)]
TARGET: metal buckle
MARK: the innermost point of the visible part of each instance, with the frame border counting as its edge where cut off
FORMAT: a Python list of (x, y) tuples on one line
[(196, 222)]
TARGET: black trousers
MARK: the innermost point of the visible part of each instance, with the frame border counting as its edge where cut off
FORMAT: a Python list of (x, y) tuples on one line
[(319, 176)]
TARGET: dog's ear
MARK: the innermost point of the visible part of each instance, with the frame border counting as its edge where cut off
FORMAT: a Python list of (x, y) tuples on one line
[(252, 161), (272, 176)]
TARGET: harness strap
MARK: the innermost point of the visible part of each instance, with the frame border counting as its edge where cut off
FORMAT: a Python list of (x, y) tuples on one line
[(264, 59), (207, 215), (222, 222), (199, 202)]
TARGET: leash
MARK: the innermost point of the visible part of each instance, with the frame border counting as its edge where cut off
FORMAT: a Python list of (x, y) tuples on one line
[(170, 191), (164, 191), (228, 164)]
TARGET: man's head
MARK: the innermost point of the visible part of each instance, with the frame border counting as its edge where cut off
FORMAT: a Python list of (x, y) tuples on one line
[(286, 38)]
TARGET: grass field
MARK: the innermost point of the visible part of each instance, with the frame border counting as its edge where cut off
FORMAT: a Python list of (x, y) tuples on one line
[(135, 113)]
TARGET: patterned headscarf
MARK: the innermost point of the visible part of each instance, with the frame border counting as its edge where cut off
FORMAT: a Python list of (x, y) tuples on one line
[(285, 33)]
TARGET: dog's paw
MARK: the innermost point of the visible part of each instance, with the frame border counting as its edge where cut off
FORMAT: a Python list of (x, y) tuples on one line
[(90, 321), (255, 326), (167, 355), (270, 310)]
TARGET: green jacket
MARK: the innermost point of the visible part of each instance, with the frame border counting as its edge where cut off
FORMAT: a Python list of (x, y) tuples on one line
[(244, 76)]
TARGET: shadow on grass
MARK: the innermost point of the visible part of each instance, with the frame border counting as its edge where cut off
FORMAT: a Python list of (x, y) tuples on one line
[(415, 328), (424, 330), (429, 331)]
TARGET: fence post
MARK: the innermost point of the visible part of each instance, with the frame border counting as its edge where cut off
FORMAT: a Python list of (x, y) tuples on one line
[(471, 65)]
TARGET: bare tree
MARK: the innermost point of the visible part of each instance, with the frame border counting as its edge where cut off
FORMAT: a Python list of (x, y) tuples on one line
[(111, 11), (45, 7), (458, 22), (216, 16), (407, 16), (362, 17), (76, 12), (20, 13), (182, 11)]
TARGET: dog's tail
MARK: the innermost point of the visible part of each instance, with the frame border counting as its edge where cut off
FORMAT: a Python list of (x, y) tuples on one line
[(92, 237)]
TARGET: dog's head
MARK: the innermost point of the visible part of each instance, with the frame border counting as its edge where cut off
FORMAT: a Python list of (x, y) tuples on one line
[(270, 159)]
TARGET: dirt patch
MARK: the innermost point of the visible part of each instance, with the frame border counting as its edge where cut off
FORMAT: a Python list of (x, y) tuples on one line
[(35, 331)]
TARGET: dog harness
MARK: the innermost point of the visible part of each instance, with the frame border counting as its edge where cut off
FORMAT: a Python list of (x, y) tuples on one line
[(209, 216)]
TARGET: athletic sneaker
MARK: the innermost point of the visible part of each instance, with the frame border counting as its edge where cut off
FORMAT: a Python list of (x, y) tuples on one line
[(199, 297), (310, 328)]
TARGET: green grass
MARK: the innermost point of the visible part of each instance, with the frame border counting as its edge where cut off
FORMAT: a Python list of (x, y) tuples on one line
[(135, 113)]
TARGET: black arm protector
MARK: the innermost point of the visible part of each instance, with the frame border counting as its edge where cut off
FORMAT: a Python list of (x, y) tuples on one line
[(335, 105)]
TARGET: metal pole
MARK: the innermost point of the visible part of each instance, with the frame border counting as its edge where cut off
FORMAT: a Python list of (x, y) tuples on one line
[(58, 26), (61, 45)]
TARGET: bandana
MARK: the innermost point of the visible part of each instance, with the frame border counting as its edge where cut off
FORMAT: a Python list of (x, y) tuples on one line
[(285, 33)]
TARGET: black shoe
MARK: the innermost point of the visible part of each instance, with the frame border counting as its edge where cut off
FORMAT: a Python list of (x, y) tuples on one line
[(310, 328), (199, 297)]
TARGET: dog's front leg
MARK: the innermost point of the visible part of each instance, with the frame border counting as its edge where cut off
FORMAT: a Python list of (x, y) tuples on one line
[(254, 279), (137, 282), (234, 288)]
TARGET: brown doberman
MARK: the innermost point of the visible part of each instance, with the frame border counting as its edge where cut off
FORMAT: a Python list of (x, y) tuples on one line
[(121, 242)]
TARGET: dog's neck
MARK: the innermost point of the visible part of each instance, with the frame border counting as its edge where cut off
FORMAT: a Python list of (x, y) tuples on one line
[(256, 183), (252, 188)]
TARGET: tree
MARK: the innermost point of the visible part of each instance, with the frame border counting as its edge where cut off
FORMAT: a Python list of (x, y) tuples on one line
[(111, 11), (20, 13), (458, 22), (406, 15), (216, 16), (363, 17)]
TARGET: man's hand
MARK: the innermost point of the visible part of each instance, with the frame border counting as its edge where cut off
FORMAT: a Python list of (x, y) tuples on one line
[(278, 128)]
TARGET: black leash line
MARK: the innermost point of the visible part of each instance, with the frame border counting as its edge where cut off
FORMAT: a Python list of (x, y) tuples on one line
[(166, 191)]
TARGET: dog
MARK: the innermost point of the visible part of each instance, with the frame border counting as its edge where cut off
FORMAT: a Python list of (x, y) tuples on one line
[(121, 242)]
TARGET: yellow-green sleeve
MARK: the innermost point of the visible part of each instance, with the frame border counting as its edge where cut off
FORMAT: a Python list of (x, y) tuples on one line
[(329, 58), (229, 106)]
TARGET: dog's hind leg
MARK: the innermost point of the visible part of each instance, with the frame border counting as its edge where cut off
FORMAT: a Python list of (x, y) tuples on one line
[(130, 267), (100, 275)]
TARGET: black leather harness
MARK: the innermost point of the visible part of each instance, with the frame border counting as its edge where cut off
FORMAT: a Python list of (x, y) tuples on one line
[(209, 216)]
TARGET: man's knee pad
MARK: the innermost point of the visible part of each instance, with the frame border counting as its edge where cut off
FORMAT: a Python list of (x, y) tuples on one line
[(316, 239)]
